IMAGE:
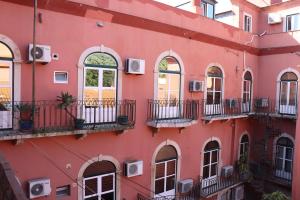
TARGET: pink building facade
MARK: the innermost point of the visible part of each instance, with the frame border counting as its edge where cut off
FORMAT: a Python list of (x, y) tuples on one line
[(176, 94)]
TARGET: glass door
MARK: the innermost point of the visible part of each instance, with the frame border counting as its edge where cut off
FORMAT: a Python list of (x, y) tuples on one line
[(288, 97), (213, 104), (284, 162), (246, 96), (210, 167), (6, 118)]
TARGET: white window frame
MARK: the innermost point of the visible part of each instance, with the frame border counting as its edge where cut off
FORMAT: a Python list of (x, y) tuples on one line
[(209, 180), (251, 22), (99, 184), (166, 176), (292, 20), (60, 82), (243, 146)]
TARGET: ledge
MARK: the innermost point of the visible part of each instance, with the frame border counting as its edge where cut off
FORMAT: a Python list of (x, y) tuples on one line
[(171, 123), (210, 119), (276, 115)]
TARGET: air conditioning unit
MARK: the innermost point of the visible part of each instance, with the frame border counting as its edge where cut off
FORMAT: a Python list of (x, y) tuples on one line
[(185, 186), (42, 53), (39, 188), (274, 18), (238, 193), (135, 66), (133, 168), (227, 171), (196, 86)]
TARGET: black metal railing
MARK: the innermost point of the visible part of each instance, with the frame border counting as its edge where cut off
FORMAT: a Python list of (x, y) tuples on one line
[(50, 117), (226, 107), (172, 197), (270, 106), (211, 186), (173, 109)]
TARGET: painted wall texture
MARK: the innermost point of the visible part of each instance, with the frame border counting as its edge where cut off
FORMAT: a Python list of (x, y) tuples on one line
[(145, 29)]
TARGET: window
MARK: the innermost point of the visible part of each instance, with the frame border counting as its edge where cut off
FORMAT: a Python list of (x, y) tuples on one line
[(210, 163), (288, 93), (247, 23), (247, 92), (244, 146), (293, 22), (61, 77), (165, 171), (100, 76), (99, 181), (208, 8), (214, 88), (63, 191), (284, 158)]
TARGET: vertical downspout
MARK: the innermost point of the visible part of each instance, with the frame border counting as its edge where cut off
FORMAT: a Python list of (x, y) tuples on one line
[(34, 60), (232, 151)]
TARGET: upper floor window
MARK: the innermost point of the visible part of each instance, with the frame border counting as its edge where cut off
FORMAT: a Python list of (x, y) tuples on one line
[(247, 23), (293, 22), (288, 93), (244, 146), (247, 92), (208, 8)]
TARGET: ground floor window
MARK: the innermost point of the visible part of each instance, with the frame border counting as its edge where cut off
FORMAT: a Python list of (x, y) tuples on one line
[(210, 163)]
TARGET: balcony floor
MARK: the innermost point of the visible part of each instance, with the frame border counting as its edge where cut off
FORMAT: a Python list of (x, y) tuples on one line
[(171, 123), (212, 118)]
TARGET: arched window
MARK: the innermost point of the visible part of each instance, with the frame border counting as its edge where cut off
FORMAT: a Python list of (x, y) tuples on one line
[(165, 171), (247, 92), (284, 158), (6, 86), (169, 79), (210, 163), (214, 88), (99, 181), (100, 76), (244, 146), (288, 93)]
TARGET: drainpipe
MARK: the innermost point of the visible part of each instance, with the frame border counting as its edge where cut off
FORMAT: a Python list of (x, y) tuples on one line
[(34, 60), (233, 126)]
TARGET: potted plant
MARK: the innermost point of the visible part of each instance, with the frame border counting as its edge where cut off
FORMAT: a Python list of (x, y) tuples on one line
[(3, 107), (65, 101), (275, 196), (243, 167), (25, 121)]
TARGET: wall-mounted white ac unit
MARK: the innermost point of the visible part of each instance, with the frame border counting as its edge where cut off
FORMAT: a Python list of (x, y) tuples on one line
[(196, 86), (227, 171), (135, 66), (133, 168), (238, 193), (274, 18), (39, 188), (185, 186), (42, 53)]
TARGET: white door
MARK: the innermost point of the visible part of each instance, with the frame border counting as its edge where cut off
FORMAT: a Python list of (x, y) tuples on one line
[(246, 96), (210, 167), (165, 179), (213, 104), (100, 105), (288, 97), (284, 162), (99, 187), (5, 94)]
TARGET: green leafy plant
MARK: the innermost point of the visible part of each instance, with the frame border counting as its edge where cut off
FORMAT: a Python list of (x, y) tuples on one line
[(243, 166), (65, 101), (275, 196), (25, 110)]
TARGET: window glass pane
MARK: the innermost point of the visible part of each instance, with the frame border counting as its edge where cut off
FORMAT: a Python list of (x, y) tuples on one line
[(109, 78), (214, 72), (218, 83), (278, 164), (213, 170), (289, 76), (206, 158), (170, 183), (283, 93), (107, 183), (91, 186), (210, 98), (159, 186), (102, 59), (210, 84), (108, 196), (4, 51), (60, 77), (210, 11), (108, 93), (279, 152), (160, 170), (91, 78), (214, 156), (217, 98), (169, 64), (171, 167), (4, 75), (293, 93), (91, 93), (205, 172), (289, 23), (288, 166), (92, 198), (289, 153)]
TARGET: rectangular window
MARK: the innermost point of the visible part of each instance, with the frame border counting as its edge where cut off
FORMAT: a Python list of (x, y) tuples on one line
[(247, 23), (208, 9), (61, 77), (63, 191), (293, 22)]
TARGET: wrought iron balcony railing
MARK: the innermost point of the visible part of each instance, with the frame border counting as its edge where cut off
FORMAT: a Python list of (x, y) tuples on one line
[(50, 117), (173, 110)]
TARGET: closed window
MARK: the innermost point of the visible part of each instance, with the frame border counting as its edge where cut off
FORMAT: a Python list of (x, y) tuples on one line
[(247, 23), (244, 146), (247, 92), (208, 9), (288, 93), (293, 22)]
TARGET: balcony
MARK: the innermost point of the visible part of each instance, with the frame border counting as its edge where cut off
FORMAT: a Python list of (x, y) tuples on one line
[(183, 197), (172, 113), (79, 118), (266, 106), (225, 110)]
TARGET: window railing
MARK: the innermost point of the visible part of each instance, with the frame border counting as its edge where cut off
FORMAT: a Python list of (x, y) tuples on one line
[(50, 117), (225, 108), (173, 109), (176, 197)]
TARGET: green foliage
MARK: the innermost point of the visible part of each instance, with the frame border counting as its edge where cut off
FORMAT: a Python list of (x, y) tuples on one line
[(91, 77), (65, 100), (275, 196), (163, 65), (101, 59), (108, 78)]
